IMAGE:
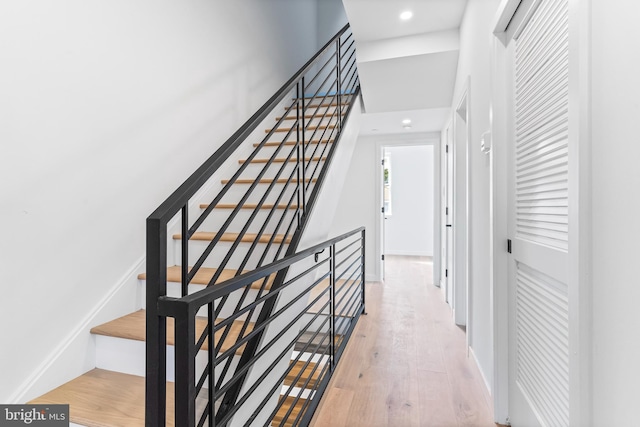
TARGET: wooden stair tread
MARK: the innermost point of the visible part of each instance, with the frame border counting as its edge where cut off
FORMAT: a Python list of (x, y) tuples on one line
[(288, 403), (204, 276), (318, 115), (291, 160), (231, 237), (285, 129), (133, 327), (297, 368), (324, 104), (248, 206), (263, 181), (102, 398), (289, 143)]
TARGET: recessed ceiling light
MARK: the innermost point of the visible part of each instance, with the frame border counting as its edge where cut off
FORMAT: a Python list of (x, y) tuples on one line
[(407, 14), (406, 122)]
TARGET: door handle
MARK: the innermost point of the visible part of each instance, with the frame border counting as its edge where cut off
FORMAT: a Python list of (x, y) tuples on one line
[(448, 225)]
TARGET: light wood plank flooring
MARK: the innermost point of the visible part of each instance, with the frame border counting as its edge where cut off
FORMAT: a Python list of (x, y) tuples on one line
[(406, 363)]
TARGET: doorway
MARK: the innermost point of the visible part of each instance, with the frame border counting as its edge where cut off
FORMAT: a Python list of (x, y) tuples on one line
[(408, 184)]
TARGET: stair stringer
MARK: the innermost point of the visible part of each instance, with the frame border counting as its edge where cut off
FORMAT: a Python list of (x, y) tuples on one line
[(316, 231)]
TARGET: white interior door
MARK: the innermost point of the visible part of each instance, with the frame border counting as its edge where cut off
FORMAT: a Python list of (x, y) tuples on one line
[(448, 220), (538, 199)]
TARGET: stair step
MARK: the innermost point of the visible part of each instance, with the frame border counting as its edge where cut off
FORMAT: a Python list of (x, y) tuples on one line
[(104, 398), (231, 237), (263, 181), (288, 403), (247, 206), (289, 143), (324, 104), (297, 368), (133, 327), (204, 276), (291, 160), (310, 128), (318, 115)]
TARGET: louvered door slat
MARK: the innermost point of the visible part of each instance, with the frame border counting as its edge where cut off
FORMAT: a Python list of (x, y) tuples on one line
[(542, 122), (541, 210)]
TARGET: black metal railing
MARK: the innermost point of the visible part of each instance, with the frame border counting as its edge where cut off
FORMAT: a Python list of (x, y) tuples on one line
[(239, 231), (316, 311)]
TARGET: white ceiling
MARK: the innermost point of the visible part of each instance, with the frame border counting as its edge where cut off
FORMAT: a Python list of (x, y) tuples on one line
[(406, 68)]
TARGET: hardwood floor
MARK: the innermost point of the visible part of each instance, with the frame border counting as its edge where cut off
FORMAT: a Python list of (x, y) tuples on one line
[(406, 363)]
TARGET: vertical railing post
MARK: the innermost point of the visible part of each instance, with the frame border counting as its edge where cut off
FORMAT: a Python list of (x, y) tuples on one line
[(185, 366), (339, 83), (304, 148), (364, 271), (332, 306), (156, 325), (185, 250), (298, 153), (212, 354)]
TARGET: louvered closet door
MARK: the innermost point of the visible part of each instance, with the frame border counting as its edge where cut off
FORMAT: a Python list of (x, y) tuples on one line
[(539, 220)]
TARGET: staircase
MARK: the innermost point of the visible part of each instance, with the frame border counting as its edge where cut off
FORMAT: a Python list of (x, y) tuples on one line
[(225, 243)]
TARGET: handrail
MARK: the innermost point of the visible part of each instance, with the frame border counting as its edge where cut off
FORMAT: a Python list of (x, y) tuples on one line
[(172, 205), (279, 233)]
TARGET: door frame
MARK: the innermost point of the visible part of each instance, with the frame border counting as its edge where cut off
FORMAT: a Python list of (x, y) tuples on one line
[(579, 283), (395, 140), (461, 224)]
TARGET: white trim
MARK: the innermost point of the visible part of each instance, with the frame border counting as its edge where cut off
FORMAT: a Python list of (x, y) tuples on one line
[(580, 252), (129, 278), (487, 384), (499, 235), (400, 140), (461, 258)]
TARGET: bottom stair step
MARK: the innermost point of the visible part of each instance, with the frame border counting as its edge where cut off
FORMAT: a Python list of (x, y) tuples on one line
[(104, 398)]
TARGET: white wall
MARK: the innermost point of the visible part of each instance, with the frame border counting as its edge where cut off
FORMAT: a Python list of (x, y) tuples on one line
[(474, 64), (331, 18), (409, 228), (106, 108), (360, 200), (616, 202)]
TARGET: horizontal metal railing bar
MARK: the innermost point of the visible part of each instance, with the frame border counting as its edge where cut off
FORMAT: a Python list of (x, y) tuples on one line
[(340, 301), (310, 82), (346, 258), (271, 343), (261, 327), (203, 216), (239, 374), (181, 196), (205, 254), (229, 320), (349, 302), (339, 251), (278, 383), (266, 348), (313, 403), (253, 215), (207, 295)]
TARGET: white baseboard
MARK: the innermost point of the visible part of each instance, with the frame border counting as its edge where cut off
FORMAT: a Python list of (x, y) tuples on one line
[(75, 354), (487, 385)]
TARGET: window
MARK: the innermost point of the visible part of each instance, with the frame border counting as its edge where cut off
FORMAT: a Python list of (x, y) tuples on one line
[(387, 186)]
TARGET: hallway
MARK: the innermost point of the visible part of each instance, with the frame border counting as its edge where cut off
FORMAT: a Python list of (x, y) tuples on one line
[(406, 363)]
